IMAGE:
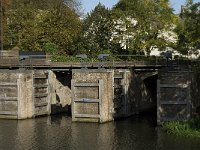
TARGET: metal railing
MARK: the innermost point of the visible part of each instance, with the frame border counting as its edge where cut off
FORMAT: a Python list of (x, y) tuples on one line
[(124, 61)]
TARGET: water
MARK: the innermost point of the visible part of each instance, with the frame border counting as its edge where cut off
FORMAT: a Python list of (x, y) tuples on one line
[(59, 133)]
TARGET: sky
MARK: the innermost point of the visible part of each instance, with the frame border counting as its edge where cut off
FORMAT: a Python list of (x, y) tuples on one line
[(88, 5)]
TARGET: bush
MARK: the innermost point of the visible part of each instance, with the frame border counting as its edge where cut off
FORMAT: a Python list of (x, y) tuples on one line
[(185, 128)]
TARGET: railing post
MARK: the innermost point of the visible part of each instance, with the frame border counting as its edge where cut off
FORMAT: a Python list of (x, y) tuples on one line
[(156, 61)]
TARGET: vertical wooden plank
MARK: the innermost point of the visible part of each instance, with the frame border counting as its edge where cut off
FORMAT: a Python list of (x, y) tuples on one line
[(123, 95), (158, 103), (48, 96), (18, 97), (33, 95), (33, 90), (189, 106), (73, 98), (125, 89), (113, 89), (34, 110), (100, 100)]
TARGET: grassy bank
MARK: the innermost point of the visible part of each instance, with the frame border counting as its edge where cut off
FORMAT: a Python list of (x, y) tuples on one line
[(185, 129)]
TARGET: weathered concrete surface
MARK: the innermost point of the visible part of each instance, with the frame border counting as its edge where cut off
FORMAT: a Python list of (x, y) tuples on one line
[(174, 95), (30, 93), (16, 94), (99, 95), (139, 93), (8, 95), (41, 92), (60, 92), (24, 94), (123, 94), (195, 93), (99, 85), (133, 93)]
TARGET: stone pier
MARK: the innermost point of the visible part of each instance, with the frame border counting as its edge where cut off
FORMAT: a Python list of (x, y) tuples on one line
[(16, 94), (24, 94)]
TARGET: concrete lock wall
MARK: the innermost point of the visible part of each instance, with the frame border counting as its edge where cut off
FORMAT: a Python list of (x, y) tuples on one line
[(140, 94), (8, 95), (23, 94), (16, 94), (132, 94), (97, 95), (195, 94), (174, 96), (103, 95)]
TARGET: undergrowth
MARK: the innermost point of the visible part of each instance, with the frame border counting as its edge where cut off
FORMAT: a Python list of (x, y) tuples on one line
[(189, 128)]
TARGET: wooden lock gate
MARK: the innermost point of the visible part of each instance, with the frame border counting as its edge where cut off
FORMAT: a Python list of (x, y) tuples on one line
[(87, 101)]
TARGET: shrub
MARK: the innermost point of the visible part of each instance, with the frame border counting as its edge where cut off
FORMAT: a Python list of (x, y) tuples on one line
[(185, 128)]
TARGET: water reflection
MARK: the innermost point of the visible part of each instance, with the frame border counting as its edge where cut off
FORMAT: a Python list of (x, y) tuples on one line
[(58, 132)]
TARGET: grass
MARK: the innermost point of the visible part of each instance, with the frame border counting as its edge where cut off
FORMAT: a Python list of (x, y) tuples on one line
[(189, 128)]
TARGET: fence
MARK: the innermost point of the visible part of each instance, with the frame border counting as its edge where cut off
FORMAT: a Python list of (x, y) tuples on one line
[(14, 60)]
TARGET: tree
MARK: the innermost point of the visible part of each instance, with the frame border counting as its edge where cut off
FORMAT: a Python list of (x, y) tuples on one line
[(97, 30), (123, 30), (60, 25), (153, 17), (189, 26), (35, 23), (4, 6)]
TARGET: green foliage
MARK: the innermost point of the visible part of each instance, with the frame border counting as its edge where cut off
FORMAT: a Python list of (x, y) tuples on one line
[(153, 17), (4, 5), (63, 58), (196, 67), (50, 48), (130, 28), (189, 27), (186, 129), (34, 23), (97, 30)]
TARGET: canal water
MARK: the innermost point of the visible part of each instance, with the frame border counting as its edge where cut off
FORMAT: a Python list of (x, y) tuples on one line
[(59, 133)]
